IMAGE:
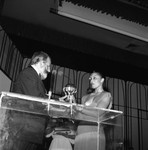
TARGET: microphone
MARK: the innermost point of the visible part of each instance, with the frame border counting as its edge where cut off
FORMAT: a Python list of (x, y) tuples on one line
[(52, 78)]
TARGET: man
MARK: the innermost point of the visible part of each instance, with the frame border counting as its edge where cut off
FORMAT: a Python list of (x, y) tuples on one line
[(29, 81), (30, 128)]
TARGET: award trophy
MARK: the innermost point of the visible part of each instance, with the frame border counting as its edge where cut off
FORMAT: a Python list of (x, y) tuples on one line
[(69, 91)]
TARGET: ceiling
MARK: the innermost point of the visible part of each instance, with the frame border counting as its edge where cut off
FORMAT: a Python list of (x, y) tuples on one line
[(117, 45)]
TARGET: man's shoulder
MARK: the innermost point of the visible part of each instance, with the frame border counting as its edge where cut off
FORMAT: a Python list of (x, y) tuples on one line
[(28, 71)]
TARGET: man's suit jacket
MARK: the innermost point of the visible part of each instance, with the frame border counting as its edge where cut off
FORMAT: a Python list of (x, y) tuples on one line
[(29, 128), (29, 83)]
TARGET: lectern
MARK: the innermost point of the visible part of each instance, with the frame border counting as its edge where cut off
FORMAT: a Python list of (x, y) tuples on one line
[(24, 117)]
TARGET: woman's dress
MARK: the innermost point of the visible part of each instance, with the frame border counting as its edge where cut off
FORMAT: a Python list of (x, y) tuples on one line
[(90, 136)]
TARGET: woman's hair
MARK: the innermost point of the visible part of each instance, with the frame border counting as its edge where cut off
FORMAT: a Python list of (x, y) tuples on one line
[(38, 56), (98, 73)]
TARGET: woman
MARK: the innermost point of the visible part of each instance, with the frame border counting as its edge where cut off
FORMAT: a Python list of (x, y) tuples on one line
[(87, 136)]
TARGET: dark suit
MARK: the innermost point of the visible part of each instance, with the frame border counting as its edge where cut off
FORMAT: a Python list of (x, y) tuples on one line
[(29, 83), (30, 128)]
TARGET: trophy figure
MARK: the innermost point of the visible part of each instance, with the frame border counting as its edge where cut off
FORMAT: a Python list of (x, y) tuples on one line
[(69, 91)]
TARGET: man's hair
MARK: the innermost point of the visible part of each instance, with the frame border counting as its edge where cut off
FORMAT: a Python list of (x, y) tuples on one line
[(38, 56)]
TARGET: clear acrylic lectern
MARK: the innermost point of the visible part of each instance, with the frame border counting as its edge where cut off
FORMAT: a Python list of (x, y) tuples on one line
[(24, 117)]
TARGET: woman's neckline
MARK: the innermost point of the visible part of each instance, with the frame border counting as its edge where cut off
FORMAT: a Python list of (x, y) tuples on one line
[(97, 93)]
